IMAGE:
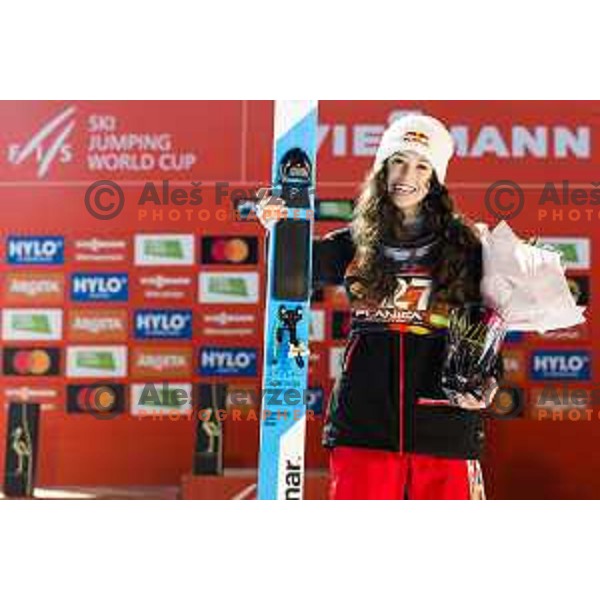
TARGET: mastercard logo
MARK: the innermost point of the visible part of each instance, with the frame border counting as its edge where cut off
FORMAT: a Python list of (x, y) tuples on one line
[(233, 250), (31, 362)]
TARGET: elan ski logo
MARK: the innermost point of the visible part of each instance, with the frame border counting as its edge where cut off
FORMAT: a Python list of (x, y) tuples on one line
[(35, 250), (47, 145), (293, 479), (100, 287), (227, 361), (569, 364), (163, 324)]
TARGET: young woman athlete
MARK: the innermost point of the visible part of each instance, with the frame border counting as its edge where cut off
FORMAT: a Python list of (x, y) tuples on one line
[(406, 260)]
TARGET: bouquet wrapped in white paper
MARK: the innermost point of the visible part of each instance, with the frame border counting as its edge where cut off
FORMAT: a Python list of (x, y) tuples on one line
[(524, 283)]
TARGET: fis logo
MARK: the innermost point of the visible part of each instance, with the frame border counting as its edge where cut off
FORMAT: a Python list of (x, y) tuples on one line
[(47, 145), (163, 324), (100, 287), (227, 361), (568, 364), (35, 250)]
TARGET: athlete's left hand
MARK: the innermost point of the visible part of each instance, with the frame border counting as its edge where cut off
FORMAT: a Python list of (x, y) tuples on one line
[(470, 402)]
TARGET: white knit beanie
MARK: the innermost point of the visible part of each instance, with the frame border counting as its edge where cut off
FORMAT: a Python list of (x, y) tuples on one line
[(422, 134)]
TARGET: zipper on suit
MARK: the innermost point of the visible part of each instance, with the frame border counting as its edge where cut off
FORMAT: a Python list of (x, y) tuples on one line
[(401, 392)]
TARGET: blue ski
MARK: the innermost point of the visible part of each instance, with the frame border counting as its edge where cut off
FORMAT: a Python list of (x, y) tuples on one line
[(287, 312)]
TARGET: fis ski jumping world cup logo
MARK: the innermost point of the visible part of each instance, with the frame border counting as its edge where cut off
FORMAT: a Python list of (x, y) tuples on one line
[(99, 287), (568, 364), (163, 324), (35, 250)]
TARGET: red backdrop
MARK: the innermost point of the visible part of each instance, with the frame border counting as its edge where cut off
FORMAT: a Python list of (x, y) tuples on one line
[(52, 151)]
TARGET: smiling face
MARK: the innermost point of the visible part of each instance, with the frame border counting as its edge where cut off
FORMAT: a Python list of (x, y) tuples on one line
[(408, 180)]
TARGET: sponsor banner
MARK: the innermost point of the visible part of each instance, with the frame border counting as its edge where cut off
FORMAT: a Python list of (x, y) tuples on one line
[(162, 287), (121, 140), (314, 400), (163, 324), (97, 398), (227, 362), (514, 365), (228, 287), (96, 361), (527, 139), (575, 251), (35, 250), (577, 333), (340, 324), (153, 361), (580, 288), (317, 325), (96, 250), (162, 249), (229, 250), (227, 323), (335, 209), (31, 362), (560, 364), (336, 357), (98, 325), (46, 394), (23, 324), (99, 287), (161, 398), (32, 288)]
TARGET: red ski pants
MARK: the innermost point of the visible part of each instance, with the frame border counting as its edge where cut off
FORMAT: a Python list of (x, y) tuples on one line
[(365, 474)]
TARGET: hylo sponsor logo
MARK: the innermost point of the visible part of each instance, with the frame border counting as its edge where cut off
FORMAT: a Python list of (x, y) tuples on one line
[(228, 361), (103, 287), (35, 250), (560, 365), (163, 324)]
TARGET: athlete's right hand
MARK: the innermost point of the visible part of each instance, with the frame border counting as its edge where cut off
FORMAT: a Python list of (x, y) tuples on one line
[(270, 208)]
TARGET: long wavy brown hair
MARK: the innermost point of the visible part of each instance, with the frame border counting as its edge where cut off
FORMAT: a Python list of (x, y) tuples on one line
[(457, 271)]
